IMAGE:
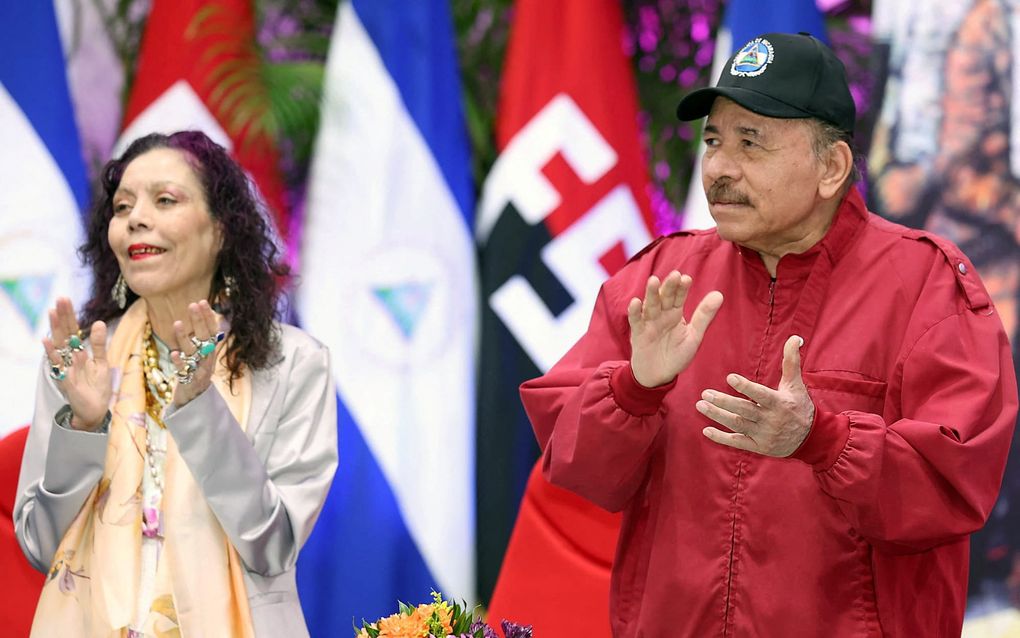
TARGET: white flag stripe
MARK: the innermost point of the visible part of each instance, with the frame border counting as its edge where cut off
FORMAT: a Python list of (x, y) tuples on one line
[(40, 232), (696, 214), (409, 385)]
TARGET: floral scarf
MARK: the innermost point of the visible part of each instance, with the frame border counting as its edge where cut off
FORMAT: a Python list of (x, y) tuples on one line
[(92, 586)]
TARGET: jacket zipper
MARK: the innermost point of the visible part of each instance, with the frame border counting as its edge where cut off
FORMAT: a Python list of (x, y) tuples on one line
[(733, 545), (740, 465), (768, 328)]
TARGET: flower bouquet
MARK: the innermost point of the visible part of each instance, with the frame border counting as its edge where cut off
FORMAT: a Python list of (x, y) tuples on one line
[(438, 619)]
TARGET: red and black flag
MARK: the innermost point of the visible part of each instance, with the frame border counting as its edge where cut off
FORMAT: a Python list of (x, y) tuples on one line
[(564, 206)]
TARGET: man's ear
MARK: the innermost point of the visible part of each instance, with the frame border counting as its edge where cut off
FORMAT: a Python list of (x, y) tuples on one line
[(838, 163)]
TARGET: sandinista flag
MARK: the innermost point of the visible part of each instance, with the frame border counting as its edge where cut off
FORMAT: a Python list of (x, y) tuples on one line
[(43, 190), (563, 208), (388, 284), (198, 69)]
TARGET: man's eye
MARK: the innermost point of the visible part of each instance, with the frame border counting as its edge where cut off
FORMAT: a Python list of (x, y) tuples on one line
[(711, 141)]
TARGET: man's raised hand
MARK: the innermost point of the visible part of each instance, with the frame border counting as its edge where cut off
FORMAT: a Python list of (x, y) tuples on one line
[(662, 342)]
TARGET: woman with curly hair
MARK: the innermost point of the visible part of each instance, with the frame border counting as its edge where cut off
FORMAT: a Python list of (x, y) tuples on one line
[(183, 444)]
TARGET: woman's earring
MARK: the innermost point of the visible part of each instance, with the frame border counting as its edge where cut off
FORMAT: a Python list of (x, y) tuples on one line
[(222, 303), (119, 292)]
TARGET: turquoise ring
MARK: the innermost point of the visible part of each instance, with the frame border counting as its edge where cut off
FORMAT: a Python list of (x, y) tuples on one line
[(57, 373), (204, 347)]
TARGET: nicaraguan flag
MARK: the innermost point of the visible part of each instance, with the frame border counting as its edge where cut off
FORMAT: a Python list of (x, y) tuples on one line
[(43, 191), (388, 284), (743, 21)]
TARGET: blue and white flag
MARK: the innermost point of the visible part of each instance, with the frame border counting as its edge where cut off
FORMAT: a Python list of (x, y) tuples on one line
[(43, 190), (388, 283), (743, 21)]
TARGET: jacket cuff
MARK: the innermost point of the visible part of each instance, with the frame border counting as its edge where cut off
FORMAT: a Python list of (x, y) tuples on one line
[(634, 398), (64, 416), (825, 441), (72, 455)]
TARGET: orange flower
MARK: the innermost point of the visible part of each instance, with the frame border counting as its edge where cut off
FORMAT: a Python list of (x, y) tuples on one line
[(401, 626)]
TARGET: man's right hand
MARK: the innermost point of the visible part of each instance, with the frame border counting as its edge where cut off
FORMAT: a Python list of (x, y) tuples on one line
[(662, 342)]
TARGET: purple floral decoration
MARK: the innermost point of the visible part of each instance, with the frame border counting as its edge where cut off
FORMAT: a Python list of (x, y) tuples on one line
[(513, 630), (671, 43), (487, 631)]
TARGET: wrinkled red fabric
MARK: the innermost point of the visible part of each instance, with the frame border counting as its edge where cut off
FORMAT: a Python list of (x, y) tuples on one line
[(20, 583), (555, 575), (864, 530)]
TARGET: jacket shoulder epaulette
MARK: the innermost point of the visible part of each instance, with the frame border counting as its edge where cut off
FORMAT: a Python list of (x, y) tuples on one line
[(965, 273)]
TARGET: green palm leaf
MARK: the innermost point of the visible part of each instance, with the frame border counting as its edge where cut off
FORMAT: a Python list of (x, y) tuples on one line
[(256, 99)]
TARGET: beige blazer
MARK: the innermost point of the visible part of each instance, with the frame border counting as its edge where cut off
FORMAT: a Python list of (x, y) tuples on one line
[(281, 467)]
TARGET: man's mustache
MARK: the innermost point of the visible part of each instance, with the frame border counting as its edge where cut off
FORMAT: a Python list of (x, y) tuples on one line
[(723, 192)]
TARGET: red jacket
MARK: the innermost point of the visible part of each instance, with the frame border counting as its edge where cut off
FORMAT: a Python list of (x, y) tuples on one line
[(864, 530)]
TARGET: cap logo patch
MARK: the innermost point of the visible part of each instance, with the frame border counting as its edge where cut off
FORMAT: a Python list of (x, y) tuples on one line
[(753, 59)]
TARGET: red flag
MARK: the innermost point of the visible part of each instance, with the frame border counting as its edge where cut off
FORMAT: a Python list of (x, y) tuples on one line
[(198, 69), (564, 207), (22, 584), (575, 48)]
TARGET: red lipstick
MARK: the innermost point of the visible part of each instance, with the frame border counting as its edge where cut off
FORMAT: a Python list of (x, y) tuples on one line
[(143, 251)]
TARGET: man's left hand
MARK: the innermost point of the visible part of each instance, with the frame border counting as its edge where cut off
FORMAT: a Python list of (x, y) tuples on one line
[(772, 422)]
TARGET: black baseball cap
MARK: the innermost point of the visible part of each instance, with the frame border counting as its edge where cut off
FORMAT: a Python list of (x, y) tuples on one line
[(781, 75)]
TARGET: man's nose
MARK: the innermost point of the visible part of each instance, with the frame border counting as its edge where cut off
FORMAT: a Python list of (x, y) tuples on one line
[(718, 163)]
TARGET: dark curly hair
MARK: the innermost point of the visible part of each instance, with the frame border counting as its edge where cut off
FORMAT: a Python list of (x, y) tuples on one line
[(248, 255)]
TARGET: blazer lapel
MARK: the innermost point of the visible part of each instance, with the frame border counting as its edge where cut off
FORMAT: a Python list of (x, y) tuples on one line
[(264, 386)]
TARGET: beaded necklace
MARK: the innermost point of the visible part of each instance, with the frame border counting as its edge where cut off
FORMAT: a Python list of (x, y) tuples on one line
[(159, 392), (157, 381)]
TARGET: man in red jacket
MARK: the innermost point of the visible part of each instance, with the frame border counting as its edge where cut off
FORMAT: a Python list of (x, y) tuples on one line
[(808, 453)]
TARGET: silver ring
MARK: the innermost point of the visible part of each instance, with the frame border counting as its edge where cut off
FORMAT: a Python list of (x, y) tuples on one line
[(186, 373), (186, 376), (66, 356)]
